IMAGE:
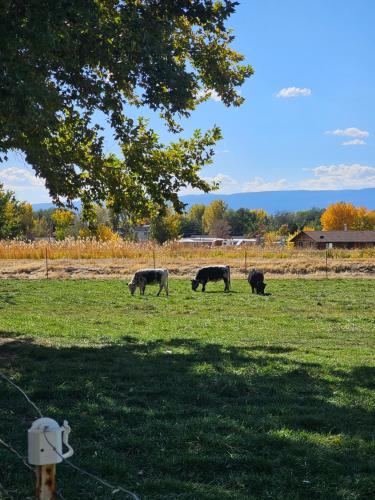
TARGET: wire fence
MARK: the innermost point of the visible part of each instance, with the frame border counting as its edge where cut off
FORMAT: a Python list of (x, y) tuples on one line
[(114, 488), (184, 262)]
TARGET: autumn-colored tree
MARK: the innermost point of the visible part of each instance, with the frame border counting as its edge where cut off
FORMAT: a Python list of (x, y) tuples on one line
[(16, 218), (105, 233), (340, 216), (371, 218), (165, 227), (283, 230), (63, 220), (214, 211), (195, 215), (260, 213), (26, 219), (364, 220), (271, 238)]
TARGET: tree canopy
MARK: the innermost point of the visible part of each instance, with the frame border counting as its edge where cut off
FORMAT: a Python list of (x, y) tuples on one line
[(339, 216), (65, 63), (16, 219)]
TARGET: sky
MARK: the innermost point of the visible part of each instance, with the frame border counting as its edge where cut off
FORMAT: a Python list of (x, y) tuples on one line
[(308, 121)]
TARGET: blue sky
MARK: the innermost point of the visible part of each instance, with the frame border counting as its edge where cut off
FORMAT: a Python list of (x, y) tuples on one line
[(308, 118)]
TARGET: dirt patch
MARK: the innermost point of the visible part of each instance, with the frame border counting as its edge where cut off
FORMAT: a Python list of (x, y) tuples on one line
[(178, 268)]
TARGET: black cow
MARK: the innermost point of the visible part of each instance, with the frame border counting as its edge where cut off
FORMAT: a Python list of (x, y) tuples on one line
[(145, 277), (211, 273), (256, 281)]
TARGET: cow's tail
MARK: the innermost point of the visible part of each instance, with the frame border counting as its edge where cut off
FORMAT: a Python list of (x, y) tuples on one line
[(228, 276)]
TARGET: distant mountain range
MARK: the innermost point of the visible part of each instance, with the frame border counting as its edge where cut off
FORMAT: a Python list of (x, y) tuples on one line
[(290, 201), (276, 201)]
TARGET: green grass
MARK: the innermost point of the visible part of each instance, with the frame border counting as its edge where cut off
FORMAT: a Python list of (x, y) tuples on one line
[(196, 396)]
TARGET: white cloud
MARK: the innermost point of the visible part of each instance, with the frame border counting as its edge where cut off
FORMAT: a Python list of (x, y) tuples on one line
[(354, 142), (24, 183), (293, 92), (16, 176), (229, 185), (259, 184), (341, 176), (324, 177), (215, 96), (212, 94), (349, 132)]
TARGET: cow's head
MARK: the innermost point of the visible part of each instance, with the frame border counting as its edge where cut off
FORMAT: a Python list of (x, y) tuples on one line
[(194, 285), (260, 288), (132, 287)]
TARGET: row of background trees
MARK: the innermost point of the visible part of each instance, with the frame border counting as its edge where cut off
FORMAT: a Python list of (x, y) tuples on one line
[(217, 220), (18, 220)]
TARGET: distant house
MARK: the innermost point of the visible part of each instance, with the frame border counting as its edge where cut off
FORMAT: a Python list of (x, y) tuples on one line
[(142, 233), (203, 240), (334, 239)]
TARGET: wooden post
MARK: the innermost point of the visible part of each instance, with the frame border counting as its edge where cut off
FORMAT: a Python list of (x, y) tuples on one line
[(326, 263), (153, 256), (45, 482), (46, 262)]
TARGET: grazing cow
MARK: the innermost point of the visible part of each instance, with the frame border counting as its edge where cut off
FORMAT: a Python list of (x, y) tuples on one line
[(145, 277), (211, 273), (256, 281)]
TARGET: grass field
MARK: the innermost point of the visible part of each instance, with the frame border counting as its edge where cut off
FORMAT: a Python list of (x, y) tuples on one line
[(195, 396)]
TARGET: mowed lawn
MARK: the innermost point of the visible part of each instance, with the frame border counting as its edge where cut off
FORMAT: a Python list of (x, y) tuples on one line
[(195, 396)]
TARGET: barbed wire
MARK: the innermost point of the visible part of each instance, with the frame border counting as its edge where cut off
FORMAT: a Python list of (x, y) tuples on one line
[(23, 459), (15, 452), (23, 393), (115, 489)]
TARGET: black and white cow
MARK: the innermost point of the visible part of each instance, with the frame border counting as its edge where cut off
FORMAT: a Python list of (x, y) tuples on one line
[(256, 281), (145, 277), (211, 273)]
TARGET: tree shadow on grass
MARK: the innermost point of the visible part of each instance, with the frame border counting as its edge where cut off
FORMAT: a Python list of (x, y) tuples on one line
[(185, 419)]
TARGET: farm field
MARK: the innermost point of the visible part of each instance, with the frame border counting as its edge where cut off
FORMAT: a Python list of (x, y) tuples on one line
[(196, 396), (309, 265), (83, 259)]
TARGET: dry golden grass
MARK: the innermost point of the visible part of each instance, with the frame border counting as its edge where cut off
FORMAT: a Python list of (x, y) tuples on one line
[(93, 249), (93, 259)]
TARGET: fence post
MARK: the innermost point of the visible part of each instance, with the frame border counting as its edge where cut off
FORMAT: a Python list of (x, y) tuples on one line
[(326, 263), (45, 442), (46, 482), (46, 259)]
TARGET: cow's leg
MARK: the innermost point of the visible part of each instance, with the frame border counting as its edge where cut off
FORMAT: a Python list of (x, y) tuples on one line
[(161, 286), (143, 288), (204, 283), (166, 289), (226, 283), (252, 289)]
